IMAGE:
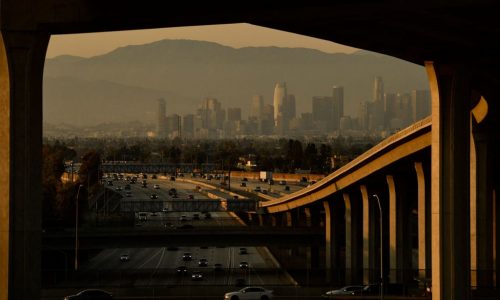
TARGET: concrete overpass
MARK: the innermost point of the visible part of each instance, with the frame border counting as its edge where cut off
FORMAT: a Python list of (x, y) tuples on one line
[(454, 41), (135, 167), (206, 235)]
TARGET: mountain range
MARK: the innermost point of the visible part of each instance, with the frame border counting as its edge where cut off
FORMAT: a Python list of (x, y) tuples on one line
[(124, 84)]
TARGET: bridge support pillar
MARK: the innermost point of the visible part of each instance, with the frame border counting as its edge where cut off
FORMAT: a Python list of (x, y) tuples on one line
[(312, 257), (368, 238), (307, 216), (261, 220), (482, 213), (274, 221), (423, 222), (450, 156), (22, 56), (334, 271), (288, 219), (349, 237)]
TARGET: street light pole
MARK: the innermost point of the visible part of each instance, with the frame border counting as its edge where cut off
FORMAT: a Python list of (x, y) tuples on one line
[(381, 249), (76, 228)]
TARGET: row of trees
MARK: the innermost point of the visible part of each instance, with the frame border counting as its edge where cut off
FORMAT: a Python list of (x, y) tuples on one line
[(59, 197), (286, 155)]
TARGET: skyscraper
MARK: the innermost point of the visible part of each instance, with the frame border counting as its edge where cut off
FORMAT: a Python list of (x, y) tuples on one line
[(338, 106), (279, 95), (377, 107), (161, 127), (257, 106), (322, 112)]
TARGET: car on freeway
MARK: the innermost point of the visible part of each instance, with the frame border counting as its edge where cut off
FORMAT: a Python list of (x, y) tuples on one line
[(90, 294), (218, 267), (165, 209), (172, 191), (187, 256), (208, 215), (282, 182), (190, 196), (243, 184), (181, 270), (154, 176), (203, 262), (183, 218), (128, 194), (346, 290), (197, 276), (257, 189), (153, 196), (172, 178), (243, 250), (196, 216), (244, 179), (143, 216), (287, 188), (243, 265), (250, 293), (118, 188), (124, 257), (156, 186)]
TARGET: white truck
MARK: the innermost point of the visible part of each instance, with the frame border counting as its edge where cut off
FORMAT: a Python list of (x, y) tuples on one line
[(265, 175)]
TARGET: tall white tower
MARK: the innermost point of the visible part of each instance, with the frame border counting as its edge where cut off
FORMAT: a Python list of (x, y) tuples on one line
[(279, 95)]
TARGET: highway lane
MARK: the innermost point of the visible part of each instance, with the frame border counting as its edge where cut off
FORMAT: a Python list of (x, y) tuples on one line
[(275, 190), (157, 266)]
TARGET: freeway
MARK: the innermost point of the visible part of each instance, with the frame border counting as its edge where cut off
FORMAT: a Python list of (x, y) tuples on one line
[(158, 266), (262, 190)]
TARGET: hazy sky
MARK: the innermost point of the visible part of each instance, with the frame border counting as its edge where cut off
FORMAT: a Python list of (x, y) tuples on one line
[(234, 35)]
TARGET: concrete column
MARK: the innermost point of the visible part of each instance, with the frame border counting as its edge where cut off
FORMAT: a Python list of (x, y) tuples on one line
[(22, 55), (368, 238), (422, 224), (288, 218), (496, 238), (481, 215), (451, 98), (312, 252), (328, 240), (308, 217), (393, 230), (312, 257), (261, 220), (349, 266), (274, 221)]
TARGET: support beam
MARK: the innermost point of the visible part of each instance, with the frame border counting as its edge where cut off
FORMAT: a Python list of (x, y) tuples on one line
[(368, 253), (261, 220), (22, 56), (393, 230), (481, 213), (422, 223), (451, 98), (349, 265), (328, 240), (288, 217), (308, 216)]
